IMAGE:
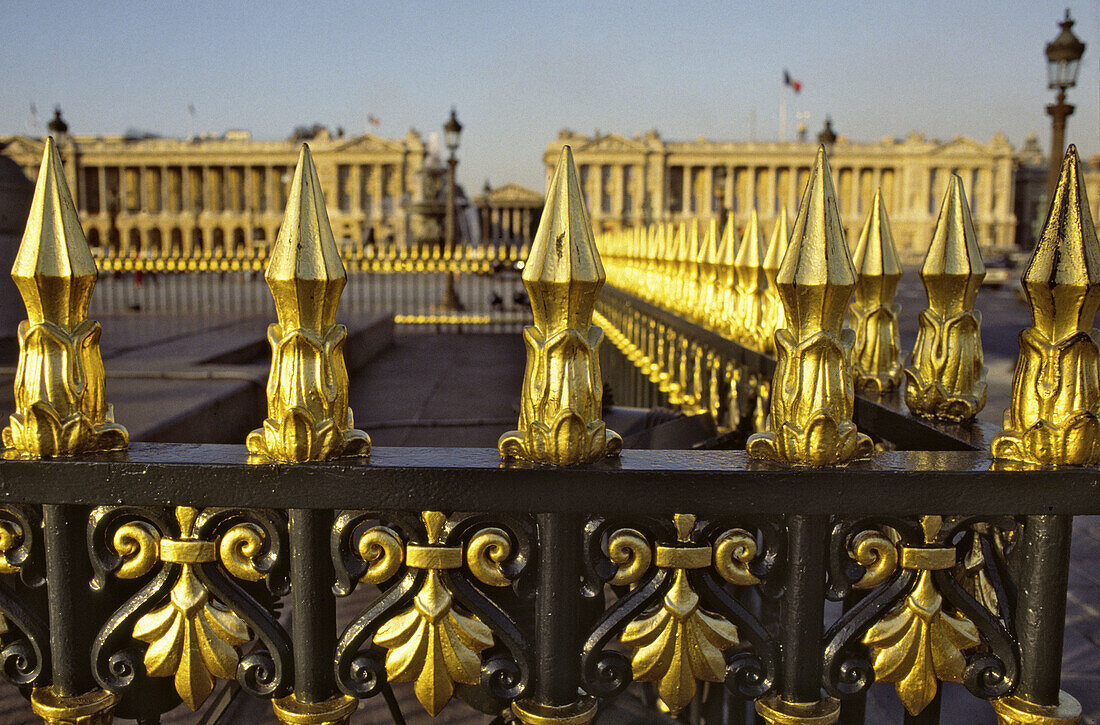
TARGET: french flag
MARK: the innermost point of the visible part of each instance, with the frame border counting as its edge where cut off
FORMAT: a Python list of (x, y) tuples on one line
[(788, 81)]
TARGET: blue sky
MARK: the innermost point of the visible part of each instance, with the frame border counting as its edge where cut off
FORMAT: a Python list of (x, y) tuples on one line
[(520, 71)]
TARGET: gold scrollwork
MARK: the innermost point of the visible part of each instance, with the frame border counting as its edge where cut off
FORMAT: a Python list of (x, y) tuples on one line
[(876, 554), (381, 548), (11, 537), (628, 550), (432, 643), (192, 637), (237, 548), (486, 551), (138, 544), (734, 550)]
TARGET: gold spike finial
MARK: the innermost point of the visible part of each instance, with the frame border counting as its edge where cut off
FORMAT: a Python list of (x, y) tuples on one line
[(308, 418), (875, 358), (751, 283), (812, 395), (773, 260), (60, 403), (559, 420), (1052, 418), (946, 374)]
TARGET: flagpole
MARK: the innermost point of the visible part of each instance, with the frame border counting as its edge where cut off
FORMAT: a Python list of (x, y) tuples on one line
[(783, 116)]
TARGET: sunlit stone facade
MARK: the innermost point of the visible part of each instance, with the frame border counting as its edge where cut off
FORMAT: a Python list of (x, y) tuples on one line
[(508, 214), (177, 195), (631, 181)]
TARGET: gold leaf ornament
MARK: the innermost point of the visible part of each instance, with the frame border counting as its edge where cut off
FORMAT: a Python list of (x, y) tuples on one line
[(679, 642), (434, 644), (192, 637), (918, 643)]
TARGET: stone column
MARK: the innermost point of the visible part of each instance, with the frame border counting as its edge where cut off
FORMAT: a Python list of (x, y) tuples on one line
[(102, 171), (771, 193), (685, 190), (595, 180), (707, 207), (617, 180), (525, 226), (728, 191)]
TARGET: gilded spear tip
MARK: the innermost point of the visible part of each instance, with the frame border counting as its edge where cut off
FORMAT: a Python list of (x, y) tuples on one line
[(304, 271), (563, 253), (54, 250), (954, 248), (777, 246), (751, 252), (876, 254), (818, 254), (1055, 406), (1067, 252)]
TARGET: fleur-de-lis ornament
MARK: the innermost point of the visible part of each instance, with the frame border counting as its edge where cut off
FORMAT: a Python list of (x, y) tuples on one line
[(192, 637), (919, 643), (432, 643)]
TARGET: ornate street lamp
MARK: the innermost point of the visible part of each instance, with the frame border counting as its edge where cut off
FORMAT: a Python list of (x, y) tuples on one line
[(1063, 59), (452, 130)]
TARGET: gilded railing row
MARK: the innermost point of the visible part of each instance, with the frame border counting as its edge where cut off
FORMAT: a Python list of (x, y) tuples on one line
[(790, 297), (204, 581), (464, 258)]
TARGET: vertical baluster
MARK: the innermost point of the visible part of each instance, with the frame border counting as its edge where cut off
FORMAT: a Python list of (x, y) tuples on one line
[(811, 393), (306, 278), (561, 426), (949, 386), (773, 260), (61, 410), (801, 627), (1052, 420), (875, 363)]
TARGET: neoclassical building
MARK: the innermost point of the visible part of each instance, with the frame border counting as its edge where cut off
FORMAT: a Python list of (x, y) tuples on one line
[(140, 195), (508, 214), (631, 181)]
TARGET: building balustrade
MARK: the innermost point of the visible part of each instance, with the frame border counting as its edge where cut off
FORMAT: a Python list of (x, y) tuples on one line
[(540, 581)]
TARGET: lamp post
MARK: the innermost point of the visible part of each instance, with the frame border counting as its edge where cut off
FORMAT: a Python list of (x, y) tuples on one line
[(452, 130), (1063, 59)]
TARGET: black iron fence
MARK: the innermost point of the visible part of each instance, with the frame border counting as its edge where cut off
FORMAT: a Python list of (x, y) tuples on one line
[(539, 581)]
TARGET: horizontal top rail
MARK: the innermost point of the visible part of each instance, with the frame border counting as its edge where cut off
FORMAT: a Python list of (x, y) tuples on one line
[(707, 483), (884, 415)]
